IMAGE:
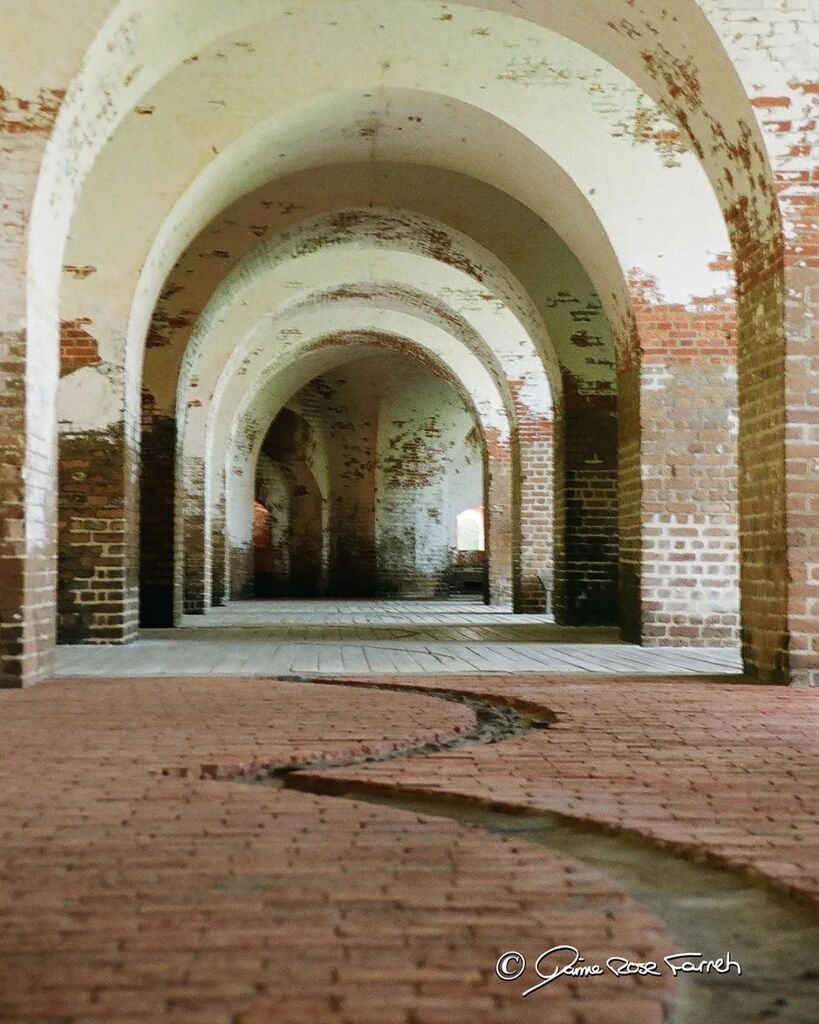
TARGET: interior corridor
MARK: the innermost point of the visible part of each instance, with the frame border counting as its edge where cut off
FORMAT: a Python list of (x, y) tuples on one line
[(409, 511)]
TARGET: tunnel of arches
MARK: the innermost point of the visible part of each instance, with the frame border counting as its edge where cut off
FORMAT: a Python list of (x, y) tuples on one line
[(359, 480), (488, 182)]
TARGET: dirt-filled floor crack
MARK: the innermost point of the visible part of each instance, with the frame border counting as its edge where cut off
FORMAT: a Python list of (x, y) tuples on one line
[(709, 910)]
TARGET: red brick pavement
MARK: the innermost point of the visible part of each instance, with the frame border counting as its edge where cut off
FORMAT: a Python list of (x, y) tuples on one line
[(133, 887), (722, 772)]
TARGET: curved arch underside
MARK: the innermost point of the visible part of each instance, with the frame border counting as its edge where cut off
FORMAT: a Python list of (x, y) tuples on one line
[(576, 210)]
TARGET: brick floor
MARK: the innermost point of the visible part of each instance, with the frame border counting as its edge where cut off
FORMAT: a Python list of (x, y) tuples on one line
[(726, 772), (135, 887)]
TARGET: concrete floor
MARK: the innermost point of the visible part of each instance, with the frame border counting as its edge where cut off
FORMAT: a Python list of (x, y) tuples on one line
[(376, 637)]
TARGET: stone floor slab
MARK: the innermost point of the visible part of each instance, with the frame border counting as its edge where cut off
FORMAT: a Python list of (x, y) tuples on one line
[(383, 637)]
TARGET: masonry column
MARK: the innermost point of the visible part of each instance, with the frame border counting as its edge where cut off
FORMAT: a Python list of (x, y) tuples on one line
[(98, 593), (502, 526), (27, 411), (536, 561), (220, 583), (196, 560), (587, 570), (689, 564), (798, 193), (157, 518), (98, 503)]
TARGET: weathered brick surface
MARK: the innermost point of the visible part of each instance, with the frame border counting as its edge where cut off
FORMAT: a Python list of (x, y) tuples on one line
[(157, 516), (773, 45), (587, 549), (27, 450), (96, 596), (720, 772), (538, 526), (78, 347), (758, 151), (137, 887), (688, 503), (193, 553)]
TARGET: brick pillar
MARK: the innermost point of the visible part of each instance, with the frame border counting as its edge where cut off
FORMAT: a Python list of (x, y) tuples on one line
[(27, 526), (241, 559), (97, 597), (537, 514), (502, 526), (688, 523), (764, 580), (587, 571), (28, 444), (196, 553), (353, 462), (802, 467), (799, 202), (157, 519), (220, 584), (629, 501)]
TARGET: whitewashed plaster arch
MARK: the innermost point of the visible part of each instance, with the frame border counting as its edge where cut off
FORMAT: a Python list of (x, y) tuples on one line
[(360, 248), (237, 395), (371, 125), (240, 310), (467, 356), (204, 441), (139, 43), (246, 425), (546, 268)]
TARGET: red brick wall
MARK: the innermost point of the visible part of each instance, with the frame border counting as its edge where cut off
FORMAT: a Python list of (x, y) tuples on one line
[(536, 490), (798, 190), (97, 594), (689, 576), (27, 450), (586, 571), (220, 589), (196, 573), (78, 347)]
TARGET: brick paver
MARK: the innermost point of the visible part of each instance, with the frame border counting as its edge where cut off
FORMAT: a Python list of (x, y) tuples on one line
[(135, 887), (726, 772)]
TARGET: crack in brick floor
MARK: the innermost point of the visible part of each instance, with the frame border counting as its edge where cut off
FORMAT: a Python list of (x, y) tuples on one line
[(717, 771), (705, 908), (134, 888)]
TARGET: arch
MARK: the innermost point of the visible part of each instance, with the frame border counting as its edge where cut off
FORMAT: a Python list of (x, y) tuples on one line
[(366, 246), (259, 404), (693, 52)]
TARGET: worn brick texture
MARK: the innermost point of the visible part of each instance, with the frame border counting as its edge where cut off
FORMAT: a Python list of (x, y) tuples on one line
[(97, 597), (724, 773), (141, 883), (689, 573), (587, 550)]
